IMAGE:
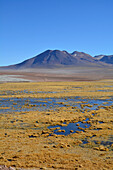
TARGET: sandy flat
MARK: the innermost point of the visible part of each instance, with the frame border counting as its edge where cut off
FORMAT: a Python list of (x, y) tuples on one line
[(57, 74)]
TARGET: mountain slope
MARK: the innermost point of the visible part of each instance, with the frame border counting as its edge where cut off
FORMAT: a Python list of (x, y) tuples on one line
[(54, 58), (98, 57), (85, 58), (105, 58)]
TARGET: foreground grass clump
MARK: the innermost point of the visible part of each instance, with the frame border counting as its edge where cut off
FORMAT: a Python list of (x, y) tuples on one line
[(26, 141)]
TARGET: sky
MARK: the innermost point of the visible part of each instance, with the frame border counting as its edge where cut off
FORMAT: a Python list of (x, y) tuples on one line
[(29, 27)]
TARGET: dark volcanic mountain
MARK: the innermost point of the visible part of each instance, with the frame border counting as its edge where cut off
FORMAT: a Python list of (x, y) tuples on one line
[(105, 58), (57, 58), (84, 58)]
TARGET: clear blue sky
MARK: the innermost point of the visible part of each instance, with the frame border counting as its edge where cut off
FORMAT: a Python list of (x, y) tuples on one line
[(29, 27)]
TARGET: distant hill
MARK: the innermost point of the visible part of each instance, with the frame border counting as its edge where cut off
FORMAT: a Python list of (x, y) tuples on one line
[(105, 58), (57, 58)]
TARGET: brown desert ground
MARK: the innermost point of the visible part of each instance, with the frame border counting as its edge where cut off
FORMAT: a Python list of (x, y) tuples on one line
[(61, 74)]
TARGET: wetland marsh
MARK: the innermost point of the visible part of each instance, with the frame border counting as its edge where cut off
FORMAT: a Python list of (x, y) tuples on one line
[(57, 125)]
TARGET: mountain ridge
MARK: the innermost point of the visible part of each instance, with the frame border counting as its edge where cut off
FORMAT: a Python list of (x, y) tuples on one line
[(55, 58), (105, 58)]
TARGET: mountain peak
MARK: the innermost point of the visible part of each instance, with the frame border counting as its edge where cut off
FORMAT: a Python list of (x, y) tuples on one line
[(54, 58)]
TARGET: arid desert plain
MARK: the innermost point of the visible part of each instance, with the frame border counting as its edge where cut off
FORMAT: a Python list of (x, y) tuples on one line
[(52, 121)]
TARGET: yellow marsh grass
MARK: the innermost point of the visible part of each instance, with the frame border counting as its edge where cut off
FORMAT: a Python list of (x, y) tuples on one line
[(62, 89), (56, 151)]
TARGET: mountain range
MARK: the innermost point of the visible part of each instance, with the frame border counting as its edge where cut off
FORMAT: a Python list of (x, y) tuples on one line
[(105, 58), (57, 58)]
